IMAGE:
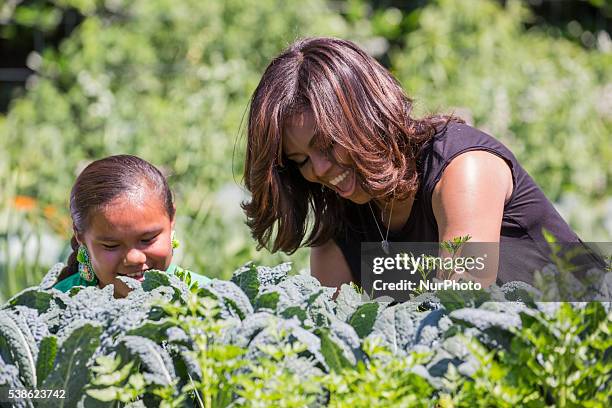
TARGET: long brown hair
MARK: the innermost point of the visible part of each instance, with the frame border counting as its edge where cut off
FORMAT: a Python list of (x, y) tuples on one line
[(104, 180), (357, 104)]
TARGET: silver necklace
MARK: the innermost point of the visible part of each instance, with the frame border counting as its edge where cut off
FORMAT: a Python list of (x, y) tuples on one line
[(384, 243)]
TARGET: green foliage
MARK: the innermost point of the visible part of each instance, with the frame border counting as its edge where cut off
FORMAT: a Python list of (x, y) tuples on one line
[(545, 98), (18, 342), (167, 81), (331, 352), (171, 83), (46, 357), (363, 319), (70, 372), (170, 345), (114, 384), (267, 383), (380, 381), (561, 359)]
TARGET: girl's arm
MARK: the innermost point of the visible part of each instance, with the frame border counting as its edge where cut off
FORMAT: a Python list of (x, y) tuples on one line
[(469, 199)]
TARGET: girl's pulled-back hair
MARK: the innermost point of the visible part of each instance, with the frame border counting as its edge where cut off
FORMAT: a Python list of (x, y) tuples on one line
[(357, 104), (104, 180)]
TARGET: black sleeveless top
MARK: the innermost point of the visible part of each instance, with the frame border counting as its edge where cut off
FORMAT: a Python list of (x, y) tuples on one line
[(523, 248)]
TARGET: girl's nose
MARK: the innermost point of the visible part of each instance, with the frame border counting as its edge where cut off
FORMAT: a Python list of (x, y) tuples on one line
[(135, 257)]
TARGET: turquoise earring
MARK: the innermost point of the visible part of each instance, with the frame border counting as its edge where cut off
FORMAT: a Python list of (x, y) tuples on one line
[(86, 269)]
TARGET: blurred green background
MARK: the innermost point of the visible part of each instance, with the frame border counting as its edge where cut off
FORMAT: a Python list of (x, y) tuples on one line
[(170, 81)]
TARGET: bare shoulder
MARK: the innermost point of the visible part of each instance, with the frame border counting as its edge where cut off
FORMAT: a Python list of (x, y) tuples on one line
[(328, 265), (477, 168), (470, 196)]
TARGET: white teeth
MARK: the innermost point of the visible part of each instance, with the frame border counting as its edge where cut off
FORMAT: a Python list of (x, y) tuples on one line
[(132, 275), (337, 180)]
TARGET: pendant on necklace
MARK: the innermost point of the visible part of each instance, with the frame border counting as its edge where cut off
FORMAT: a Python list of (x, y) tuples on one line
[(385, 246)]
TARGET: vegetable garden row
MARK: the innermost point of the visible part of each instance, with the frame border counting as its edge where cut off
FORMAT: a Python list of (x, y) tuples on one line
[(267, 338)]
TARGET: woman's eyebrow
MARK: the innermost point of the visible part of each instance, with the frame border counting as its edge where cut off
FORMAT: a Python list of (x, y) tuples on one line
[(311, 143)]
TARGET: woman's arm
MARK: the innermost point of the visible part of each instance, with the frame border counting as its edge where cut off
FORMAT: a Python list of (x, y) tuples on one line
[(469, 200), (328, 265)]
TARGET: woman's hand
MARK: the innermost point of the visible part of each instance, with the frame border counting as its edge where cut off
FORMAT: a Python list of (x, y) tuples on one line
[(469, 199)]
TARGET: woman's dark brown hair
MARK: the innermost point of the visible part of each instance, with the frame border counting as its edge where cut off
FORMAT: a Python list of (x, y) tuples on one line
[(104, 180), (357, 104)]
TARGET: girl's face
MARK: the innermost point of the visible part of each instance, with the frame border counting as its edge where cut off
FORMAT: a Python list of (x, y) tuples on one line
[(315, 165), (128, 237)]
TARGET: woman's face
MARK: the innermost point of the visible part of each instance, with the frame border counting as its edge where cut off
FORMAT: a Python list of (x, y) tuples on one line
[(315, 165), (127, 237)]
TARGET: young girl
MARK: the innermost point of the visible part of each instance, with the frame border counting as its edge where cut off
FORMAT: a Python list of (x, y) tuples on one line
[(335, 159), (123, 221)]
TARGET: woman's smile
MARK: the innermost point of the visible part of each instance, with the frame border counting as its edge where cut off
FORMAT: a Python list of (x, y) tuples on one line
[(344, 184), (338, 179)]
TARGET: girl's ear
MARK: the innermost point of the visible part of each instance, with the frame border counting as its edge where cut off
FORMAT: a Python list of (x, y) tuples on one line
[(173, 217), (78, 236)]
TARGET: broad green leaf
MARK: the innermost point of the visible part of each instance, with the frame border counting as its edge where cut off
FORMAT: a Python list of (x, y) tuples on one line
[(154, 279), (154, 330), (46, 357), (33, 299), (267, 301), (70, 371), (364, 318), (294, 311), (248, 282), (331, 351)]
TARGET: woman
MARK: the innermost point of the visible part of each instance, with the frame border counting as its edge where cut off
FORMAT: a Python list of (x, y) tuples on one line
[(331, 140)]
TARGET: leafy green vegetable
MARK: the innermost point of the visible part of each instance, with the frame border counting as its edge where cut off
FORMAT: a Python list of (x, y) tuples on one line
[(70, 372), (364, 318), (46, 357), (214, 346), (21, 346)]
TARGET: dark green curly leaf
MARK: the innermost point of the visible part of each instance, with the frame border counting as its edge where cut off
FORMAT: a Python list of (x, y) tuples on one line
[(332, 352), (46, 356), (267, 301), (297, 311), (364, 318), (32, 298), (248, 282), (70, 371), (154, 279)]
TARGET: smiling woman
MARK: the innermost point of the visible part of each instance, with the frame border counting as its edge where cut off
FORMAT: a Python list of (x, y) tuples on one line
[(335, 159), (123, 219)]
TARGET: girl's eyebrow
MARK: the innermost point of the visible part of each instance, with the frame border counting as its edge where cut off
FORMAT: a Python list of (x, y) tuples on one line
[(148, 232), (104, 238)]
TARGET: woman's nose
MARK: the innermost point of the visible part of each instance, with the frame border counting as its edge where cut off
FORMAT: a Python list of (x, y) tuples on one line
[(320, 164), (135, 257)]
